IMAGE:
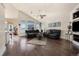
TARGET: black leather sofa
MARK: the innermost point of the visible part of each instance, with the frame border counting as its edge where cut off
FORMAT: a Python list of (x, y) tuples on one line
[(52, 33), (31, 33)]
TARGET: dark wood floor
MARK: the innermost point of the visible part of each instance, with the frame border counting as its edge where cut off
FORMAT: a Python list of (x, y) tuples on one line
[(19, 47)]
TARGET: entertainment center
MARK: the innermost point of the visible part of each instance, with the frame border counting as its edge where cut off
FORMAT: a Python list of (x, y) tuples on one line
[(75, 27)]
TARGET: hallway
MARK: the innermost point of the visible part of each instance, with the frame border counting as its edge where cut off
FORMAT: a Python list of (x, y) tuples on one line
[(18, 46)]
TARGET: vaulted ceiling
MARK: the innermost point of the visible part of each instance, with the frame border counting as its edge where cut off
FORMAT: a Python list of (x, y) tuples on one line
[(48, 7), (51, 10)]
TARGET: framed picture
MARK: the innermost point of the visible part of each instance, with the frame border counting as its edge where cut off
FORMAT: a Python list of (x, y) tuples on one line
[(55, 24)]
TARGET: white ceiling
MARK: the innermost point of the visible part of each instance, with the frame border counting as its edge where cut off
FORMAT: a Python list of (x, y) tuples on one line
[(50, 9)]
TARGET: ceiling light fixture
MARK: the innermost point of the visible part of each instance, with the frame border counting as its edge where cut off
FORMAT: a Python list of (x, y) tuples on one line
[(39, 14)]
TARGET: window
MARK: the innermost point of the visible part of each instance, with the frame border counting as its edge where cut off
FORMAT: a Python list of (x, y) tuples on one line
[(23, 26)]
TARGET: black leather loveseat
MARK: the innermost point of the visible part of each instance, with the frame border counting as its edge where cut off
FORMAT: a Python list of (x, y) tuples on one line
[(53, 33), (31, 33)]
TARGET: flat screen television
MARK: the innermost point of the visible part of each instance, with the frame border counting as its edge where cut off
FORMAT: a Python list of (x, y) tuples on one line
[(75, 26), (76, 15)]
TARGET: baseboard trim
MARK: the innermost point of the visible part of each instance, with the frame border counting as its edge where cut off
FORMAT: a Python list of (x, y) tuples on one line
[(2, 50)]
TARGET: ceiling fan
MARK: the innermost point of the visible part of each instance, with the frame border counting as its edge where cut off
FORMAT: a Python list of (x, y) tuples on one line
[(39, 14), (42, 16)]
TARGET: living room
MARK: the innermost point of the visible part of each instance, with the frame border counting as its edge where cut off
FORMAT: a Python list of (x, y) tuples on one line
[(37, 29)]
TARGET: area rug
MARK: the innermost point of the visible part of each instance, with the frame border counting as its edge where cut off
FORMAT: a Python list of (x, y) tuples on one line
[(36, 41)]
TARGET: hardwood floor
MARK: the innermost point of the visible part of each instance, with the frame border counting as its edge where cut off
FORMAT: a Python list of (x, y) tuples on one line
[(18, 46)]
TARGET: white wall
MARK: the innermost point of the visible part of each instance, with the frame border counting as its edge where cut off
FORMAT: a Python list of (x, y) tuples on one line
[(64, 24), (2, 32), (10, 11)]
